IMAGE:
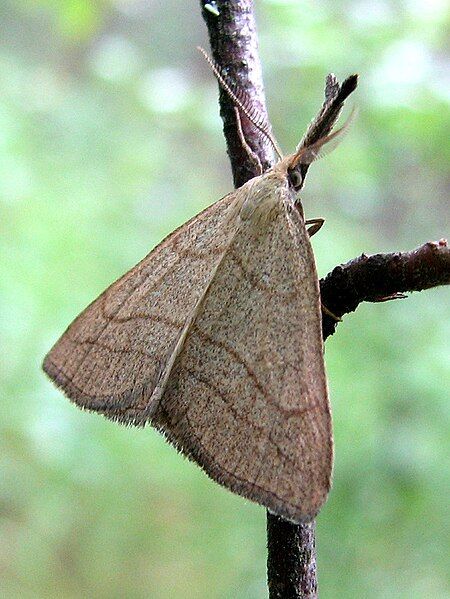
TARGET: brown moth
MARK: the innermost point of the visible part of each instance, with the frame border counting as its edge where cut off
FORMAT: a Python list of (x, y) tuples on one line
[(215, 339)]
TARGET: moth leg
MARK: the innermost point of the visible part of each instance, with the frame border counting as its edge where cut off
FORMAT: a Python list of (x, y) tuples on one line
[(330, 313), (388, 298), (251, 154), (316, 225)]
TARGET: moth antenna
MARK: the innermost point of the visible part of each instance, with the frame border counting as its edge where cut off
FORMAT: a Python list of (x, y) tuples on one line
[(324, 145), (335, 96), (252, 155), (243, 102)]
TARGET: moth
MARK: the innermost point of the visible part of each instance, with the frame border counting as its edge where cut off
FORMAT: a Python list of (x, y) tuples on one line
[(215, 337)]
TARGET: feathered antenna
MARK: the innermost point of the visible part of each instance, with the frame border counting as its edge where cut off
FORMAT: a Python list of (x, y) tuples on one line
[(305, 155), (243, 102), (335, 96), (318, 132)]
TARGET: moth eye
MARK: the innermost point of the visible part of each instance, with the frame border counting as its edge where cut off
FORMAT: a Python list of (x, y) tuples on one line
[(295, 179)]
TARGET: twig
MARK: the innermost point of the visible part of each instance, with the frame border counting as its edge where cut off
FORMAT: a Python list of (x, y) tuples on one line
[(382, 277), (234, 47), (291, 563)]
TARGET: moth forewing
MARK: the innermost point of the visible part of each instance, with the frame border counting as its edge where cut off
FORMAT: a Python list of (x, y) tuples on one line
[(112, 356), (246, 397)]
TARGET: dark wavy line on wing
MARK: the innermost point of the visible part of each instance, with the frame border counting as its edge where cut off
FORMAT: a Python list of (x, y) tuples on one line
[(287, 412), (239, 416)]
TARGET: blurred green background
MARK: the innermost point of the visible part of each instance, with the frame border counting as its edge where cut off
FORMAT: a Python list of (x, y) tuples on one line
[(110, 138)]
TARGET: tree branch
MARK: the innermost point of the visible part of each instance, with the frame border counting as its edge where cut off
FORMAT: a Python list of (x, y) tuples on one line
[(291, 559), (291, 564), (234, 46), (383, 277)]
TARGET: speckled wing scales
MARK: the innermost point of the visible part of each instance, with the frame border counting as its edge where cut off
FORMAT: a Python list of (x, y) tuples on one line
[(246, 397), (111, 357)]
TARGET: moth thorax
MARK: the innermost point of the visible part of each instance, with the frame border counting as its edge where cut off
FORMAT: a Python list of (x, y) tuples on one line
[(263, 201)]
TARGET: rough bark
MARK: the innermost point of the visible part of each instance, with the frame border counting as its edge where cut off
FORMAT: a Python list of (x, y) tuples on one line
[(234, 47), (291, 563), (383, 277)]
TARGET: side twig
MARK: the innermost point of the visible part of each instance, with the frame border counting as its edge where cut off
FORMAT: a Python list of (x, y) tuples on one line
[(383, 277)]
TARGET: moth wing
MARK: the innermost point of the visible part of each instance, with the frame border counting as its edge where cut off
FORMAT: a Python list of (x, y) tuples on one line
[(111, 356), (247, 395)]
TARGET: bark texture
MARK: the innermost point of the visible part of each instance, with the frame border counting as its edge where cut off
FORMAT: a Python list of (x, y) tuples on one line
[(234, 47), (383, 277)]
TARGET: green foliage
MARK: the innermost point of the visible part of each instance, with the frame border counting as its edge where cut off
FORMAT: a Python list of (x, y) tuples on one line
[(109, 138)]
